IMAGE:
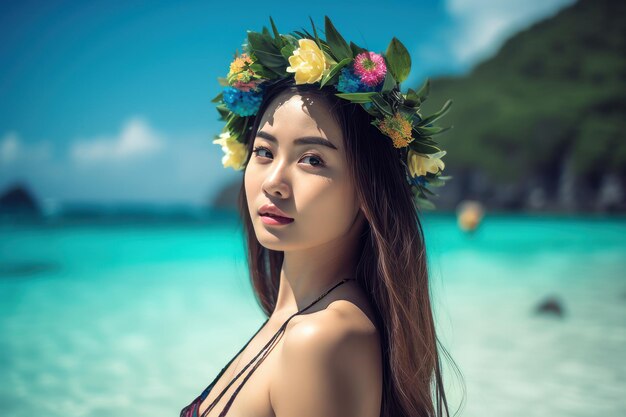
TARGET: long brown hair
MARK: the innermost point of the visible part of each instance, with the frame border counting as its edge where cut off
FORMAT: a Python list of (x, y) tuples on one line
[(392, 268)]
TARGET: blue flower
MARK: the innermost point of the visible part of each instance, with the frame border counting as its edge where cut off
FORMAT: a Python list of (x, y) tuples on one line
[(243, 103), (419, 180), (349, 82)]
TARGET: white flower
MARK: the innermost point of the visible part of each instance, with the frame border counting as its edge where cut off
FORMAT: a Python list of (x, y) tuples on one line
[(235, 152), (419, 165)]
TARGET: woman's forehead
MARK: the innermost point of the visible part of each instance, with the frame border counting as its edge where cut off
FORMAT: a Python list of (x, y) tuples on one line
[(295, 102), (300, 111)]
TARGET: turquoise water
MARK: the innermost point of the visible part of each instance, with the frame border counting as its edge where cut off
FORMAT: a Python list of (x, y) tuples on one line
[(135, 320)]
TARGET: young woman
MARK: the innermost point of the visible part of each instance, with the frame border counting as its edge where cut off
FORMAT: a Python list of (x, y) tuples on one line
[(337, 260)]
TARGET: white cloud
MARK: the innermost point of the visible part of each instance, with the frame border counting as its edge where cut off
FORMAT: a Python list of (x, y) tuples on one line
[(136, 139), (14, 150), (481, 26), (190, 171), (9, 147)]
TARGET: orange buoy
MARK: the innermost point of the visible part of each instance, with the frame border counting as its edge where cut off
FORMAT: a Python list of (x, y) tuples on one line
[(469, 215)]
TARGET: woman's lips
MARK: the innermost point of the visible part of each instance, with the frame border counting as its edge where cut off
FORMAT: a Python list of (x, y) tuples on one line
[(275, 220)]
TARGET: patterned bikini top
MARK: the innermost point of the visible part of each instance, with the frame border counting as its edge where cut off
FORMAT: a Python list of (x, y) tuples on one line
[(192, 409)]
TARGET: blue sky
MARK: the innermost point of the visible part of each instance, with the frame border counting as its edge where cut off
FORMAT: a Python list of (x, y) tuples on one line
[(109, 101)]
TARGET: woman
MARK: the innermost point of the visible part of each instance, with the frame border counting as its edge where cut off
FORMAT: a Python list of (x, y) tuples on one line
[(337, 260)]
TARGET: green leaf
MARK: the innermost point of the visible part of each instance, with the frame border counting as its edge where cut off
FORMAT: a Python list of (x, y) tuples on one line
[(218, 98), (411, 95), (356, 49), (434, 117), (425, 204), (338, 45), (262, 71), (382, 104), (423, 92), (427, 191), (317, 39), (423, 148), (398, 60), (223, 111), (231, 122), (276, 34), (357, 97), (439, 154), (409, 111), (290, 40), (389, 82), (415, 118), (431, 131), (334, 70), (244, 127), (428, 140), (266, 52), (287, 51), (302, 35)]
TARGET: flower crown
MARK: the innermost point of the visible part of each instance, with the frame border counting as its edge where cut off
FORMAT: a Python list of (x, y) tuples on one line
[(360, 76)]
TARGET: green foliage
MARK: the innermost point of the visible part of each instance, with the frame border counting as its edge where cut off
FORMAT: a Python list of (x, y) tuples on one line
[(267, 52), (398, 60), (270, 53), (338, 45), (334, 72), (552, 92)]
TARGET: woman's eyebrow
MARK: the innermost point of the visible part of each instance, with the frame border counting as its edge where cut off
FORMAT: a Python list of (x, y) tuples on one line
[(306, 140)]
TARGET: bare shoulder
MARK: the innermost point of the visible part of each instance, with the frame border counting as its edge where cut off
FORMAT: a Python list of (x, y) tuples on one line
[(330, 364), (341, 330)]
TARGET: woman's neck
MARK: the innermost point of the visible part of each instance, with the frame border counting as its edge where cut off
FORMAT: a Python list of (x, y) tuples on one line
[(306, 274)]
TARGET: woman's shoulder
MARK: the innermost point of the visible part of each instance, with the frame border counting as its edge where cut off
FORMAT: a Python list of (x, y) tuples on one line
[(347, 317), (332, 352), (339, 325)]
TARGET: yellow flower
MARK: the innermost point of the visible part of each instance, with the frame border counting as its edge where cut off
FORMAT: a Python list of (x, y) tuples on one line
[(308, 62), (420, 165), (235, 152)]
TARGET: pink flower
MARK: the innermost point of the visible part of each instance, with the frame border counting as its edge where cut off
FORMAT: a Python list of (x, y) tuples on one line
[(240, 85), (370, 67)]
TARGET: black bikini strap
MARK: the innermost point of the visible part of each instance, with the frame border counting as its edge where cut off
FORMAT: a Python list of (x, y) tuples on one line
[(267, 351), (237, 354)]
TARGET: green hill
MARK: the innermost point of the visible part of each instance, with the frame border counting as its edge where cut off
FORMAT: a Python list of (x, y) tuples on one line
[(552, 99)]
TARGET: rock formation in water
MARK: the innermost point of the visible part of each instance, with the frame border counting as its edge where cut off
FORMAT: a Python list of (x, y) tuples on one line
[(552, 306), (18, 202)]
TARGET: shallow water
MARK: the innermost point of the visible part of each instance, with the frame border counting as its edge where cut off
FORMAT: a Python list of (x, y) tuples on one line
[(136, 320)]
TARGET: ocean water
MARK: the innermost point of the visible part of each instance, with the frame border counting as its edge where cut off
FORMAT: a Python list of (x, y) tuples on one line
[(136, 320)]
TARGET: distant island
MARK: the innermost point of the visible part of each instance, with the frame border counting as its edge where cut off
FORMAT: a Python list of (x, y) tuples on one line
[(18, 204), (541, 125)]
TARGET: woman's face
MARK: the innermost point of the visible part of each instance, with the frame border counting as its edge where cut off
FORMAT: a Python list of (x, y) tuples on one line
[(309, 182)]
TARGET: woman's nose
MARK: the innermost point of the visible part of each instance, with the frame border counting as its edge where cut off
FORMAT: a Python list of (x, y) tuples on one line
[(276, 182)]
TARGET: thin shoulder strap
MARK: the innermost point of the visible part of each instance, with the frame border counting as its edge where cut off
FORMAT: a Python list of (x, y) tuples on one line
[(265, 349), (208, 389)]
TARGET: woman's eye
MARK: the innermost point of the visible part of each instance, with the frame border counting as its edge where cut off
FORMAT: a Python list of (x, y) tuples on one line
[(318, 162), (258, 149)]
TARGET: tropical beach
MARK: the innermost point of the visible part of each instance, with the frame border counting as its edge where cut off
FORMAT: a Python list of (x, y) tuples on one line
[(124, 282), (133, 319)]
